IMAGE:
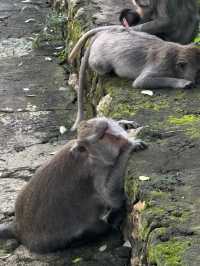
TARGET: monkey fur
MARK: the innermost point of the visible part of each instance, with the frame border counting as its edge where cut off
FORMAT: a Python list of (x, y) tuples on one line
[(79, 194), (146, 59)]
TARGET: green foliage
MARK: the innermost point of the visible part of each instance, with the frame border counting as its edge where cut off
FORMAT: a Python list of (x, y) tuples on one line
[(168, 253), (54, 31)]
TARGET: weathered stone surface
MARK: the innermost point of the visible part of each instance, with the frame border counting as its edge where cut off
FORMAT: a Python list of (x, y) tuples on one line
[(168, 223), (35, 101)]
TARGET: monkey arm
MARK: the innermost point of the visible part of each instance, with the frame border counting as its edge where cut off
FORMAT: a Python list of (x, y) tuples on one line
[(114, 190), (152, 82), (113, 193), (155, 26)]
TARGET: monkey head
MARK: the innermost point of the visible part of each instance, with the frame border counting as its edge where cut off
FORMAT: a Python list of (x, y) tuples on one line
[(129, 18), (187, 63), (112, 137)]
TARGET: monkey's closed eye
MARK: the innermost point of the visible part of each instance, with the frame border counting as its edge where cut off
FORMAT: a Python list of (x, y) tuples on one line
[(182, 65), (81, 148)]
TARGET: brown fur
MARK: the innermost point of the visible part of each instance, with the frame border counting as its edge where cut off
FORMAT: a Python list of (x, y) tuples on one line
[(78, 194)]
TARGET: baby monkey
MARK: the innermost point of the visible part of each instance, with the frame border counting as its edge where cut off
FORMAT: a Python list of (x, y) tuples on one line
[(77, 195), (129, 18)]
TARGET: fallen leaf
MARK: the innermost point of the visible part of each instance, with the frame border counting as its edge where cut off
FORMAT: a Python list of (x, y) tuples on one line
[(144, 178), (31, 95), (59, 47), (147, 92), (103, 248), (48, 58), (139, 206), (53, 153), (77, 260), (62, 89), (30, 20), (62, 130), (127, 244)]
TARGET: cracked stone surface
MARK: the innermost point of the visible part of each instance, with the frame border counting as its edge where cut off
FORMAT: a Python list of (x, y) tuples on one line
[(35, 101)]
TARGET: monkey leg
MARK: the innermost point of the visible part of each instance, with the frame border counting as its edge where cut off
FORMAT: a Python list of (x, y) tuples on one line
[(114, 191), (152, 82), (113, 194)]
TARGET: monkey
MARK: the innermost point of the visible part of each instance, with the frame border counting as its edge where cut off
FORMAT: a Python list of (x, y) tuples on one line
[(171, 20), (79, 193), (129, 17), (146, 59)]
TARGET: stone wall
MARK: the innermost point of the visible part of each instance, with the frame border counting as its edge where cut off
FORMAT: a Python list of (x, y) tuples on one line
[(163, 183)]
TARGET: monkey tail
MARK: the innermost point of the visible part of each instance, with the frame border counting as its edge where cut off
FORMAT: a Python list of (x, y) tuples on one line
[(81, 42), (7, 231), (81, 88)]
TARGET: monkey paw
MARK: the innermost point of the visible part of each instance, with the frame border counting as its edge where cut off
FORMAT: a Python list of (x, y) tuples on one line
[(138, 145), (126, 124), (189, 85), (185, 84)]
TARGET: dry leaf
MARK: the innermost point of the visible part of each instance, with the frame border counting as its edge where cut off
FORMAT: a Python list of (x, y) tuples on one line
[(139, 206), (77, 260)]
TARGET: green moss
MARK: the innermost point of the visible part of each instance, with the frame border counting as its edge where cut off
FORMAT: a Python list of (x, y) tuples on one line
[(193, 132), (184, 120), (190, 123), (155, 106), (168, 253), (158, 194), (74, 31), (132, 188), (127, 101), (55, 30), (157, 211)]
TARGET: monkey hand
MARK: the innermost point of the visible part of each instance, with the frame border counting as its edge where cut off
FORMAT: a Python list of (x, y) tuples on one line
[(137, 145), (184, 84)]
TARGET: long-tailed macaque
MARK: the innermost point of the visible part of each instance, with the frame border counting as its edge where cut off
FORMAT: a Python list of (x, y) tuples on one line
[(146, 59), (171, 20), (79, 193)]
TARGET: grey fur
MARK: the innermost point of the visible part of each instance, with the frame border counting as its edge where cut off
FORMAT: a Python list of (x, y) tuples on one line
[(146, 59), (171, 20)]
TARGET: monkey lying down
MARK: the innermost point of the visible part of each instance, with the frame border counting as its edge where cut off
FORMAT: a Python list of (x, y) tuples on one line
[(146, 59), (79, 193)]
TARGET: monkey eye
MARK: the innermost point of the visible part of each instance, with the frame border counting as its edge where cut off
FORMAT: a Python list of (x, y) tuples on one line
[(81, 148), (182, 65)]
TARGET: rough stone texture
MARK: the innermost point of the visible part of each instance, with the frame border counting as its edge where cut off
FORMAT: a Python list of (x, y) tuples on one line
[(168, 219), (35, 101)]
